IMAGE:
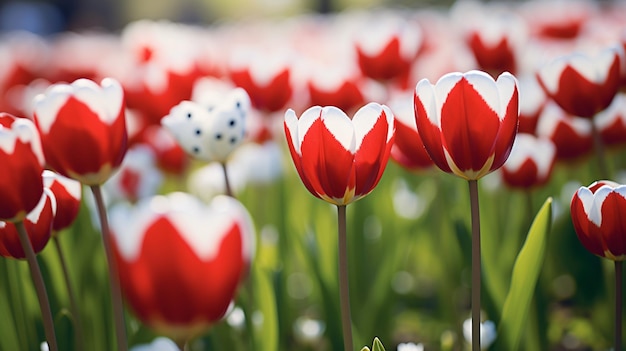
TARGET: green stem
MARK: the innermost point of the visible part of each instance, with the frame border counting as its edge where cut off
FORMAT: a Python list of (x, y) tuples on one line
[(78, 325), (229, 190), (42, 294), (618, 306), (344, 290), (473, 189), (114, 280)]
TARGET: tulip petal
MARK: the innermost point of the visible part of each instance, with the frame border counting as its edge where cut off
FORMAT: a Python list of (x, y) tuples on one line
[(469, 128), (371, 145)]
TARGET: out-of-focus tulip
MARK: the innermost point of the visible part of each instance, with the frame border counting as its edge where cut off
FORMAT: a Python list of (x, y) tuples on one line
[(340, 159), (611, 123), (597, 212), (22, 162), (571, 135), (265, 76), (496, 40), (210, 134), (137, 178), (83, 129), (387, 46), (583, 85), (170, 156), (408, 149), (468, 121), (162, 67), (530, 162), (181, 261), (532, 100), (38, 224), (67, 193)]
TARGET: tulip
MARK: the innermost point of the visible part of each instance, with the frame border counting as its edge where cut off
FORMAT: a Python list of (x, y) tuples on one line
[(339, 159), (583, 85), (67, 193), (530, 163), (408, 149), (21, 190), (571, 135), (38, 225), (468, 123), (210, 133), (496, 40), (611, 123), (266, 76), (171, 158), (386, 47), (83, 133), (83, 130), (137, 178), (532, 100), (180, 260), (22, 162), (596, 213)]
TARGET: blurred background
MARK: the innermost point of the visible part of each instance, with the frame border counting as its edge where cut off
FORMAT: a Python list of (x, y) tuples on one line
[(46, 17)]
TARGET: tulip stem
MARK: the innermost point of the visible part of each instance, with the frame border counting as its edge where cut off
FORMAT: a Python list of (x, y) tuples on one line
[(40, 287), (344, 290), (618, 306), (598, 146), (78, 326), (114, 280), (229, 190), (473, 190)]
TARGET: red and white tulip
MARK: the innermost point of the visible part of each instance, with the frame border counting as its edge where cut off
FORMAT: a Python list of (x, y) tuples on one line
[(340, 159)]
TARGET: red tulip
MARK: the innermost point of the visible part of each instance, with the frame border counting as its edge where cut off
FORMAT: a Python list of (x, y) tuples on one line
[(38, 224), (386, 47), (468, 121), (612, 122), (408, 149), (340, 159), (571, 135), (532, 100), (181, 261), (597, 213), (266, 78), (583, 85), (83, 129), (171, 157), (495, 40), (22, 162), (530, 163), (67, 193)]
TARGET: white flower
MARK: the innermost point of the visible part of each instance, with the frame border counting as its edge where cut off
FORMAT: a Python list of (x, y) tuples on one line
[(158, 344), (410, 347)]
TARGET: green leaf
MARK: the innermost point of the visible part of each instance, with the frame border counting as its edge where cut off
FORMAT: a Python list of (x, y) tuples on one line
[(378, 346), (523, 280), (267, 337)]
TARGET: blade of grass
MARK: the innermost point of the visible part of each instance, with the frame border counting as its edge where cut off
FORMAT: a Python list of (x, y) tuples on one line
[(524, 278)]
